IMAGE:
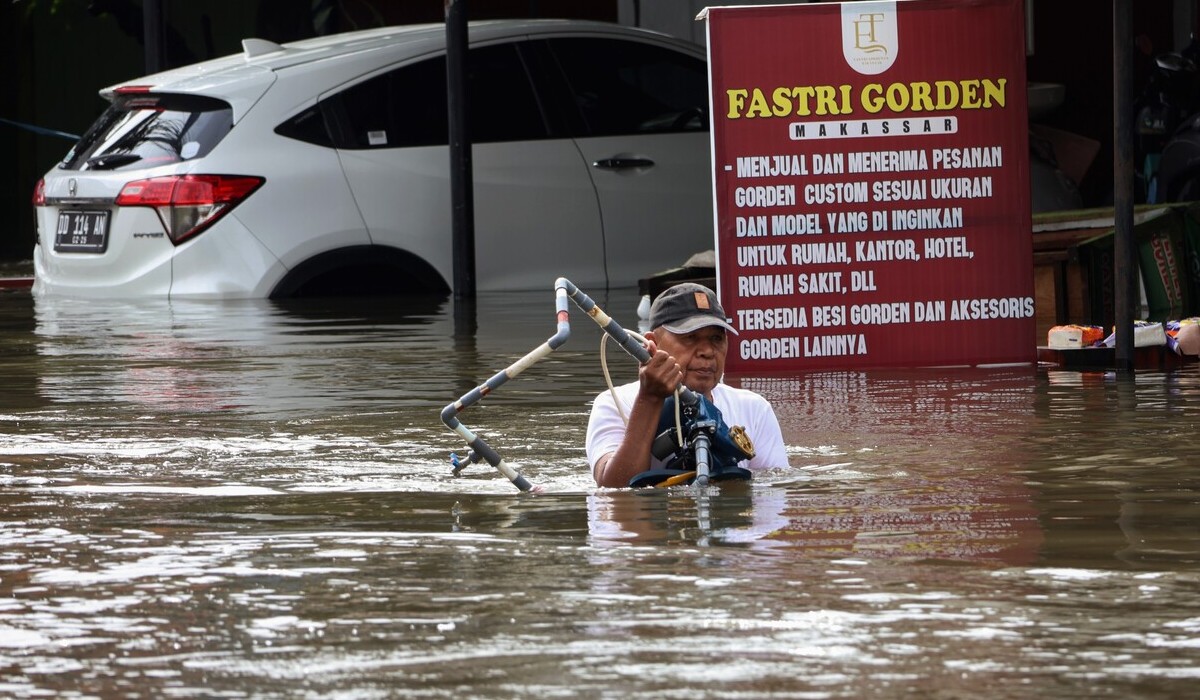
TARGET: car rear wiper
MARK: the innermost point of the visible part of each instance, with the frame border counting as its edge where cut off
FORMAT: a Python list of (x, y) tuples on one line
[(111, 160)]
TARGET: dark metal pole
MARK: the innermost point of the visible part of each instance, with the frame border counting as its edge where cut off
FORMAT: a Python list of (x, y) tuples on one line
[(152, 35), (462, 193), (1124, 272)]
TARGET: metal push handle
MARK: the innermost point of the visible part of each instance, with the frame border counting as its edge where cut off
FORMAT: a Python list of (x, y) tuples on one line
[(563, 289)]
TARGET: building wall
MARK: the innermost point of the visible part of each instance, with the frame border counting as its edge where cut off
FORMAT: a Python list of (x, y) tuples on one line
[(676, 17)]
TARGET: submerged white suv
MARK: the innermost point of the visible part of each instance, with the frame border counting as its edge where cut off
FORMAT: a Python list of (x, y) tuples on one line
[(321, 167)]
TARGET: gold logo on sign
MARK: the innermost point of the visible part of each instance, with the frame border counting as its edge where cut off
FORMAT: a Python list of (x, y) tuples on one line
[(864, 33)]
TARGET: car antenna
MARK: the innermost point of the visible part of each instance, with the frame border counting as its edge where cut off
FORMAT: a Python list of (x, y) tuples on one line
[(254, 48)]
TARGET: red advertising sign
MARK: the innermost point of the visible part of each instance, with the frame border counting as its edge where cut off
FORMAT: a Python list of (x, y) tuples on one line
[(872, 183)]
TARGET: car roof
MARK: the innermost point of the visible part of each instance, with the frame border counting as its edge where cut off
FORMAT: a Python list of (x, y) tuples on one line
[(243, 77), (433, 36)]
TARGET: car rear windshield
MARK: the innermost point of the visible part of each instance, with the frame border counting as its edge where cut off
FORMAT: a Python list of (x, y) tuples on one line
[(145, 130)]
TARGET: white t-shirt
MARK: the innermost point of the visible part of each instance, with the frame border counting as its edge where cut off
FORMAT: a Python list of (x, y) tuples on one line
[(741, 407)]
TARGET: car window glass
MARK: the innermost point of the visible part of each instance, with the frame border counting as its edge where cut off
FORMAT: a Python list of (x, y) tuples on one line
[(308, 125), (407, 106), (628, 87), (146, 130)]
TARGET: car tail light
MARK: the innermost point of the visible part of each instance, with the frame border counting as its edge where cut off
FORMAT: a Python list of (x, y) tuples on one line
[(39, 193), (188, 204)]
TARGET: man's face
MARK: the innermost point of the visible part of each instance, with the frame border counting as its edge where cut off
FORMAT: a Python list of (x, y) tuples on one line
[(700, 353)]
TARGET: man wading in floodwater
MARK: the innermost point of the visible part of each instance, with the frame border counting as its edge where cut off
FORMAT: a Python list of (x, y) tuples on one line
[(688, 342)]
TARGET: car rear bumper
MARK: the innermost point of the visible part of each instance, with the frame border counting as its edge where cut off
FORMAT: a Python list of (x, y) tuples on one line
[(144, 257), (226, 261)]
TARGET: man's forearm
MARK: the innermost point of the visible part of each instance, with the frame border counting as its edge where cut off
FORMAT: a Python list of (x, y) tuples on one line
[(633, 456)]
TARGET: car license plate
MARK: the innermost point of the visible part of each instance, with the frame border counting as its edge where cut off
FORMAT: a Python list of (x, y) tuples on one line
[(81, 232)]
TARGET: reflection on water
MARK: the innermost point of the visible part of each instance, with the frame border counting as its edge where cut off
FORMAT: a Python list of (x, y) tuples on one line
[(245, 499), (253, 356)]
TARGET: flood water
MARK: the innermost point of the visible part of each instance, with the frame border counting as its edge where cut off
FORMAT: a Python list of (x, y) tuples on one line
[(243, 499)]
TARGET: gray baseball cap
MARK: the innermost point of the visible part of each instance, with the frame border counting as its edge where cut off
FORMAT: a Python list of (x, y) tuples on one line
[(687, 307)]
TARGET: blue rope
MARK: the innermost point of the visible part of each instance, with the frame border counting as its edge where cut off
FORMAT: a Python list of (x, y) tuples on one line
[(41, 130)]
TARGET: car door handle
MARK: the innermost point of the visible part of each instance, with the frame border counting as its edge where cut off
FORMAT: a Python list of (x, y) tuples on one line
[(622, 163)]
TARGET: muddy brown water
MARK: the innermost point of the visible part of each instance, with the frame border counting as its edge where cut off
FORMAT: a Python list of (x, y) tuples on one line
[(246, 499)]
